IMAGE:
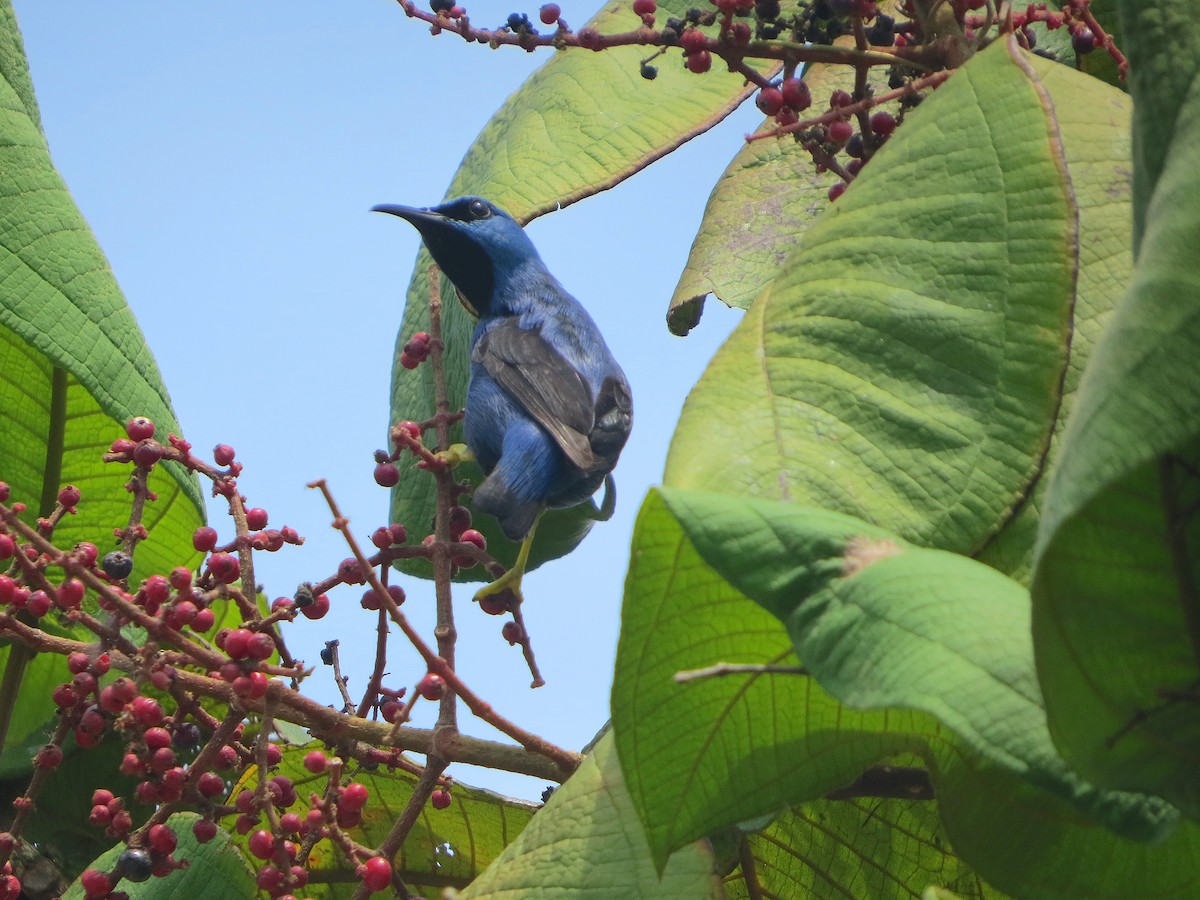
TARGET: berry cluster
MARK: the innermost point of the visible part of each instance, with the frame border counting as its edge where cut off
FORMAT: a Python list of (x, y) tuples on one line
[(416, 351)]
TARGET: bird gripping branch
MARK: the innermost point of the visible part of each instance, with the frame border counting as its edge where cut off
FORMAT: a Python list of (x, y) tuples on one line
[(548, 407)]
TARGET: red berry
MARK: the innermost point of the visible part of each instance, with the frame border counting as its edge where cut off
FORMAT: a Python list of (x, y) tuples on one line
[(274, 754), (8, 589), (209, 784), (839, 188), (740, 32), (496, 604), (49, 757), (316, 761), (796, 94), (883, 123), (550, 13), (251, 686), (290, 823), (399, 533), (440, 798), (95, 883), (223, 454), (840, 131), (699, 62), (78, 662), (204, 620), (431, 687), (381, 537), (390, 710), (589, 38), (693, 41), (8, 547), (769, 100), (840, 98), (84, 682), (408, 361), (512, 632), (180, 578), (68, 496), (256, 518), (64, 696), (70, 593), (162, 838), (411, 427), (227, 757), (156, 590), (38, 603), (147, 453), (370, 600), (377, 873), (269, 878), (282, 603), (100, 815), (353, 796), (350, 572), (318, 608), (261, 844), (139, 428), (260, 646), (204, 830), (157, 737), (147, 711), (387, 475), (204, 538), (237, 643), (224, 567), (644, 7)]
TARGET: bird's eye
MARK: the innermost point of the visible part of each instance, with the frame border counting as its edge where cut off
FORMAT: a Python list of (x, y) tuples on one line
[(479, 209)]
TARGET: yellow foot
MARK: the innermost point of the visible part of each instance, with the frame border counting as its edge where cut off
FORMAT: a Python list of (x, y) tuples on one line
[(504, 594), (455, 454)]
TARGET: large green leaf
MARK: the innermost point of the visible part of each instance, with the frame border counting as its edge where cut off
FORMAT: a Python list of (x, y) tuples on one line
[(1116, 603), (701, 756), (586, 842), (906, 366), (582, 123)]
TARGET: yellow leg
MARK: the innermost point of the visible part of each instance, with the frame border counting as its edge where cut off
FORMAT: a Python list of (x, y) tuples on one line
[(510, 581)]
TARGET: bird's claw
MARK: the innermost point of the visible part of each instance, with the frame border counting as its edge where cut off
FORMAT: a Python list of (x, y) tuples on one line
[(502, 595), (455, 455)]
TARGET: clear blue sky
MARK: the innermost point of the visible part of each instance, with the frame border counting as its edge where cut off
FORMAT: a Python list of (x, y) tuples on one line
[(226, 154)]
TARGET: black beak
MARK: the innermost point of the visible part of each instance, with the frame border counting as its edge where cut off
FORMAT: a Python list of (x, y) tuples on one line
[(417, 217)]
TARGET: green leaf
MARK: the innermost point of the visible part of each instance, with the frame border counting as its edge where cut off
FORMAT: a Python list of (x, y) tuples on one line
[(906, 365), (1163, 46), (215, 871), (1116, 603), (74, 363), (446, 848), (866, 847), (704, 755), (756, 214), (587, 842), (582, 123), (1093, 120)]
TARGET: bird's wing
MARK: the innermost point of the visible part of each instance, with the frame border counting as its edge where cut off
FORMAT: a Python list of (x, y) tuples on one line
[(541, 379)]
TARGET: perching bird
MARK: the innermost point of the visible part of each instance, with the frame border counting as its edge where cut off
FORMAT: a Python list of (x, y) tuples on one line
[(548, 408)]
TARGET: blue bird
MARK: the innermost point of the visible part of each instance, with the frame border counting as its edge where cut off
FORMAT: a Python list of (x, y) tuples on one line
[(548, 407)]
